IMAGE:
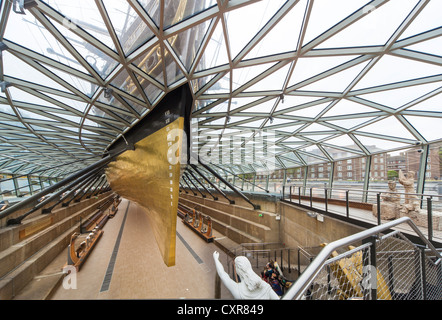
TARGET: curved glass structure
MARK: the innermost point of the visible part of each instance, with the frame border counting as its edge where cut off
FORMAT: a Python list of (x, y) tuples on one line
[(313, 89)]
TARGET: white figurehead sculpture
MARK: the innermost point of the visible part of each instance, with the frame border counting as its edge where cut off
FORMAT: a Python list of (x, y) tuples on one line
[(251, 285)]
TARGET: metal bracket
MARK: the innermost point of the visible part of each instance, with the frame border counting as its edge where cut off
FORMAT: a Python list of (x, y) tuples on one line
[(19, 6), (4, 85)]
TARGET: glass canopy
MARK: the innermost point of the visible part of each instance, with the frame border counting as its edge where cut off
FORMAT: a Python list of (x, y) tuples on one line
[(291, 80)]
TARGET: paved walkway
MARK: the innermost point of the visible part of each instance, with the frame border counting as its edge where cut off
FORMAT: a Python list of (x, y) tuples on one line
[(366, 216), (138, 271)]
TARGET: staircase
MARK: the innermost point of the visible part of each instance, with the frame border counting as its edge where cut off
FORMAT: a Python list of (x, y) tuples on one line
[(235, 223), (26, 249), (376, 264)]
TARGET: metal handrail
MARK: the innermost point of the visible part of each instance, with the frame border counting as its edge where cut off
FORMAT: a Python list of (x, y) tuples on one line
[(363, 191), (304, 280)]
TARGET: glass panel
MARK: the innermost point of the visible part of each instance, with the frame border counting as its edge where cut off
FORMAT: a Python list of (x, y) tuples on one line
[(373, 29), (430, 46), (151, 63), (6, 108), (321, 19), (85, 14), (295, 176), (428, 19), (173, 71), (7, 189), (433, 183), (23, 186), (386, 71), (125, 82), (427, 127), (222, 86), (376, 145), (390, 127), (397, 98), (115, 108), (306, 68), (243, 104), (16, 68), (241, 76), (187, 43), (336, 82), (274, 81), (284, 36), (249, 19), (176, 11), (82, 85), (215, 53), (31, 34), (152, 8), (129, 27), (386, 166), (318, 176), (98, 60), (76, 104), (349, 174)]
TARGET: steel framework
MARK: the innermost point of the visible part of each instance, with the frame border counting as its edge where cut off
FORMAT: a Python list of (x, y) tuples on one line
[(355, 76)]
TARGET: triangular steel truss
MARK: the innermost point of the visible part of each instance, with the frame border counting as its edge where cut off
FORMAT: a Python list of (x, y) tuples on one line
[(318, 75)]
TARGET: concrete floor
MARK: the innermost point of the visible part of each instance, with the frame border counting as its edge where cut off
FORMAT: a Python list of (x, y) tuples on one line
[(139, 271)]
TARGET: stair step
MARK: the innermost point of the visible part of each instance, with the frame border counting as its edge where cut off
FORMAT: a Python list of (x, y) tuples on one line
[(13, 282), (233, 233), (252, 229), (16, 254), (22, 262)]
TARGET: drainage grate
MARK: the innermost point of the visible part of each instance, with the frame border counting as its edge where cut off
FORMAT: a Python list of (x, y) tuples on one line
[(110, 268)]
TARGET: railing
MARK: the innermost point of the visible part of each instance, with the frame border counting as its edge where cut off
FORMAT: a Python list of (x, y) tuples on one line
[(261, 253), (373, 267), (348, 203)]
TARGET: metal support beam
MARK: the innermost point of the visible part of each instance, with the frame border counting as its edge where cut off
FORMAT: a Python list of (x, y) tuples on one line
[(204, 187), (187, 183), (237, 176), (33, 199), (212, 184), (331, 178), (88, 188), (366, 178), (256, 207), (197, 189), (304, 182), (56, 195), (74, 193), (99, 187), (424, 151)]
